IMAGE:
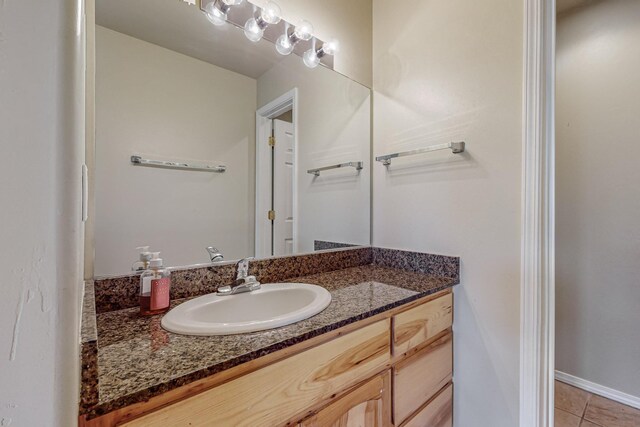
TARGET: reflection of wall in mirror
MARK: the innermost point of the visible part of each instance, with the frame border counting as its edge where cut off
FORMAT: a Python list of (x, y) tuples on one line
[(286, 116), (159, 103), (333, 121)]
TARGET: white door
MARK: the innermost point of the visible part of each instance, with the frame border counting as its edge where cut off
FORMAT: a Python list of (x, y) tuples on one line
[(282, 192)]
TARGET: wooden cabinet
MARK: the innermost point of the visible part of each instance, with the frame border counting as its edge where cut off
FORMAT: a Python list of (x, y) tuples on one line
[(420, 324), (419, 377), (369, 405), (275, 394), (437, 413), (393, 369)]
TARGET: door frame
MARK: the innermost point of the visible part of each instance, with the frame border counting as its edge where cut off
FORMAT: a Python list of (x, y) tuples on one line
[(537, 284), (264, 115)]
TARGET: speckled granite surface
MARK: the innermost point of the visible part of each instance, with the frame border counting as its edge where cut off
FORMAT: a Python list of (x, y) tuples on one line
[(436, 265), (323, 245), (137, 359), (122, 292), (88, 349), (88, 327)]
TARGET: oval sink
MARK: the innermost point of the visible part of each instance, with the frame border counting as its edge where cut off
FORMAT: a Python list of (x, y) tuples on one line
[(271, 306)]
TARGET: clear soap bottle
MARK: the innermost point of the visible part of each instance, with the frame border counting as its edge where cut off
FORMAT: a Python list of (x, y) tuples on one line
[(145, 256), (155, 287)]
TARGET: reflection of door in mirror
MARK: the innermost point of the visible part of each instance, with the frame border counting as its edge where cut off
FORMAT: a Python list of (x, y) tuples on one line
[(184, 97), (283, 157), (276, 166)]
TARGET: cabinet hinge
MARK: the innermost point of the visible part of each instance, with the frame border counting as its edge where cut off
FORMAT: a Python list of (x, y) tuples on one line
[(272, 141), (271, 215)]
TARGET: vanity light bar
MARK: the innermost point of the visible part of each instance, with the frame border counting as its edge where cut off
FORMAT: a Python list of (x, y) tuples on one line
[(456, 148), (316, 172), (139, 161), (266, 23)]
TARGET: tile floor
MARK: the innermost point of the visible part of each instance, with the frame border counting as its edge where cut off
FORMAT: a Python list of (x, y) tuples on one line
[(578, 408)]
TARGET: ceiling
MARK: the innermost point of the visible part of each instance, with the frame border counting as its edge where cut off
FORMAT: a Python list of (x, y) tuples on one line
[(183, 28)]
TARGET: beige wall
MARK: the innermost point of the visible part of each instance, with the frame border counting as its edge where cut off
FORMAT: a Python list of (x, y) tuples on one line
[(162, 104), (347, 20), (449, 70), (41, 132), (334, 122), (598, 196)]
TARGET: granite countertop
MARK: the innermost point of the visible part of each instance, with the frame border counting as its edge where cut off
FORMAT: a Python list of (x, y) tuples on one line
[(137, 359)]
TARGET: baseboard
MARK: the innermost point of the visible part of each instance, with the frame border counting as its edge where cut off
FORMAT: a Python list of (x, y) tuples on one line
[(600, 390)]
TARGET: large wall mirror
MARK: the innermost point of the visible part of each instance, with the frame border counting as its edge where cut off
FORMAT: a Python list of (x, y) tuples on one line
[(184, 115)]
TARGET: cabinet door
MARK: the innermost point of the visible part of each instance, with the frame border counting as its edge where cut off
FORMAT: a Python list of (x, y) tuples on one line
[(438, 413), (419, 324), (420, 377), (367, 406)]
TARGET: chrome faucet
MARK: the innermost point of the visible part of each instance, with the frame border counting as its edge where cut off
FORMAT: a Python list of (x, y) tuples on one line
[(214, 254), (243, 282)]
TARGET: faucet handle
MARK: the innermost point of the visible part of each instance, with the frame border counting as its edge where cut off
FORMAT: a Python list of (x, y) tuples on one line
[(214, 254), (242, 268)]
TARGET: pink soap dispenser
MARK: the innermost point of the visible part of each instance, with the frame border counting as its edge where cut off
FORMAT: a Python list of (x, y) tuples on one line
[(155, 286)]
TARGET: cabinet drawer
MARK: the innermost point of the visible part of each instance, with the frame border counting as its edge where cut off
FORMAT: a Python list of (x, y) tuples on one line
[(420, 324), (276, 393), (369, 405), (438, 413), (418, 378)]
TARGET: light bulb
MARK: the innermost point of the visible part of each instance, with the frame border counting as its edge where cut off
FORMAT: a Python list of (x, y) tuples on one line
[(252, 30), (310, 58), (331, 47), (304, 30), (215, 15), (271, 13), (284, 45)]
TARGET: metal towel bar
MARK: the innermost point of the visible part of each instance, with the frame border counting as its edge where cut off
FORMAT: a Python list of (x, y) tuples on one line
[(316, 172), (456, 148), (139, 161)]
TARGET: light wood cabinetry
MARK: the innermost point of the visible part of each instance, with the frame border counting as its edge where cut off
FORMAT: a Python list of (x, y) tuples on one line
[(419, 324), (419, 377), (274, 394), (368, 405), (437, 413), (392, 369)]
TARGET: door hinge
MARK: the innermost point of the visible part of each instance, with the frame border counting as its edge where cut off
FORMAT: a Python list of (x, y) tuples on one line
[(272, 141), (272, 215)]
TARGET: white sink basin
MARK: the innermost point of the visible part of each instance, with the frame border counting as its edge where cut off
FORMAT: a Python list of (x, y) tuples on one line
[(272, 306)]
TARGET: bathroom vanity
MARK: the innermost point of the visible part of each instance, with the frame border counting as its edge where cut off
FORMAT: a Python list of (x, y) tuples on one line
[(211, 148), (379, 355)]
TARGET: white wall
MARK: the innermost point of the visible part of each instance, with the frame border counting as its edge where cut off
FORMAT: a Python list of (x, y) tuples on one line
[(347, 20), (41, 149), (156, 102), (598, 196), (334, 121), (450, 70)]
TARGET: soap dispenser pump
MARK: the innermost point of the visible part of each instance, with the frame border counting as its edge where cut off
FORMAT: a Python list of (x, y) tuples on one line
[(143, 262), (155, 286)]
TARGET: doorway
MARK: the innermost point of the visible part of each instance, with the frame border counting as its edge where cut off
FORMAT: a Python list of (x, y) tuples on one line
[(282, 161), (597, 211), (276, 171)]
